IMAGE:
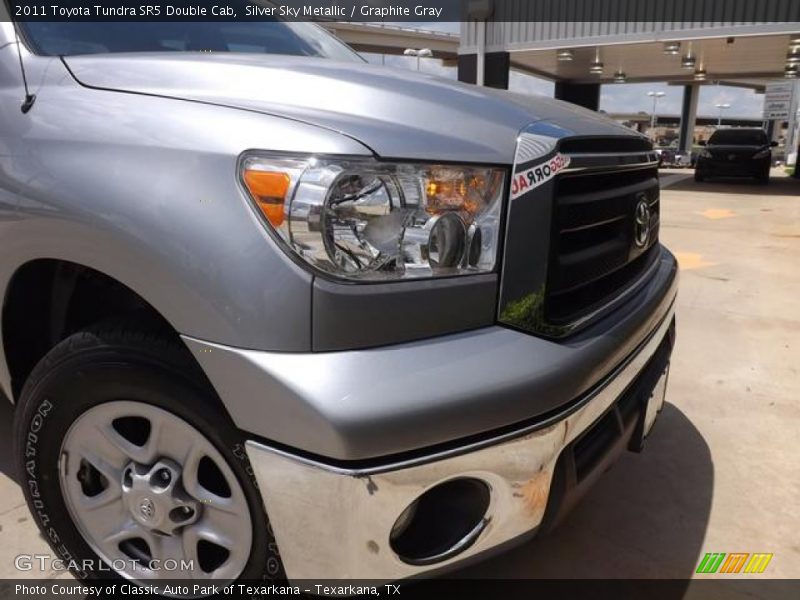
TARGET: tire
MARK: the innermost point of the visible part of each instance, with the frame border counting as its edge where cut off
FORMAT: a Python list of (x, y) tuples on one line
[(114, 378), (699, 177), (763, 179)]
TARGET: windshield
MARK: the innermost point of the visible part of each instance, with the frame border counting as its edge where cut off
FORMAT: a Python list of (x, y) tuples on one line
[(741, 137), (262, 37)]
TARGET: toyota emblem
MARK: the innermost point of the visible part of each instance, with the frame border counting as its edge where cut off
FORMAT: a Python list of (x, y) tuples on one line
[(147, 509), (641, 224)]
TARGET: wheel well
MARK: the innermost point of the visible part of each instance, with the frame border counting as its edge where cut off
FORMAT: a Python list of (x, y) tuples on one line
[(48, 300)]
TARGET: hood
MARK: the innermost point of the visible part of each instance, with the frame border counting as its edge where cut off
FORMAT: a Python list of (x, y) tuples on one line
[(736, 147), (396, 113), (738, 150)]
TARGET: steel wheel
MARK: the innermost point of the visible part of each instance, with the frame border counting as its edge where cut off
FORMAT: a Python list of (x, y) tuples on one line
[(152, 496)]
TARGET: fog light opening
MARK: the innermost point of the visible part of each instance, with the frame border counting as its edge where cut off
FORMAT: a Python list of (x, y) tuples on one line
[(442, 522)]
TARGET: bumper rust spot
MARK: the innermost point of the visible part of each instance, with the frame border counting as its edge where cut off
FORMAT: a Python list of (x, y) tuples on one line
[(534, 492)]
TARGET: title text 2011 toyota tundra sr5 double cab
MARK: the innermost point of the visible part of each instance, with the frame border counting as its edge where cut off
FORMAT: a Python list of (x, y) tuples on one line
[(269, 310)]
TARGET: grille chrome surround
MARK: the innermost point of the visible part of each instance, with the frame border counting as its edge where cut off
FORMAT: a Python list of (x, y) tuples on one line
[(600, 162)]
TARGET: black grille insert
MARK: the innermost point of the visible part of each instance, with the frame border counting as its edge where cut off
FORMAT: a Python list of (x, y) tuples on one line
[(624, 415), (593, 254), (593, 145), (595, 443)]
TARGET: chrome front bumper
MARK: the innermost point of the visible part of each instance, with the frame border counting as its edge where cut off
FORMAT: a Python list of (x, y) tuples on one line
[(334, 523)]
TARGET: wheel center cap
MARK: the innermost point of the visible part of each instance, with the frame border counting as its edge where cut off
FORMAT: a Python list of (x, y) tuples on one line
[(154, 496)]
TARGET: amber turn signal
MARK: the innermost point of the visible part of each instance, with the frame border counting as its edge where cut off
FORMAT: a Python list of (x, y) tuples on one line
[(269, 189)]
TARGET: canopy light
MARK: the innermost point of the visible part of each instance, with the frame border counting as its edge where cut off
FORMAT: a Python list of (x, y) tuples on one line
[(700, 75), (565, 55), (793, 57), (620, 77), (790, 72), (672, 47), (596, 66), (418, 52), (688, 62)]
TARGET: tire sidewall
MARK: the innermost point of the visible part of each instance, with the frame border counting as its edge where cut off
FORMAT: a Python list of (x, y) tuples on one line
[(54, 399)]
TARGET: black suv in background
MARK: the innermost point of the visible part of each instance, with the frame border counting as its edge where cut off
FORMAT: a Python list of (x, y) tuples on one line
[(741, 152)]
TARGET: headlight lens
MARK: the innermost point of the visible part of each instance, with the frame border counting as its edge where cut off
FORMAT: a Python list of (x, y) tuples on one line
[(705, 154), (367, 220)]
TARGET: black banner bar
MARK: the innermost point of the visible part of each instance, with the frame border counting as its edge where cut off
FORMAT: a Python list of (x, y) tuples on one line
[(438, 589), (714, 11)]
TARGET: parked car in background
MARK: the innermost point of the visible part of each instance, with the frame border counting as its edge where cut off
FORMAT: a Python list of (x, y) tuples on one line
[(665, 156), (739, 152), (673, 158), (683, 160)]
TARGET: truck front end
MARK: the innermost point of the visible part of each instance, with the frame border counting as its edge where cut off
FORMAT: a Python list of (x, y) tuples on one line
[(403, 458), (421, 317)]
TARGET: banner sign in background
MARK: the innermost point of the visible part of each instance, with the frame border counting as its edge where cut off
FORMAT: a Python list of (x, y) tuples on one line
[(778, 100)]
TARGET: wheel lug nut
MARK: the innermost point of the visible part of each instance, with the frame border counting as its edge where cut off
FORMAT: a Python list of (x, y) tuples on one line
[(181, 514), (165, 476)]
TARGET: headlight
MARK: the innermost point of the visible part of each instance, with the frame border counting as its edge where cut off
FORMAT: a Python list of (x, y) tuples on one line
[(762, 153), (368, 220), (704, 154)]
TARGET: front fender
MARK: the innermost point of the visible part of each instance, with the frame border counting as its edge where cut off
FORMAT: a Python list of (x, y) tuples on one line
[(145, 190)]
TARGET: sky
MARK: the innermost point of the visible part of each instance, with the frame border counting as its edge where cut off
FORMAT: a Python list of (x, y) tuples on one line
[(626, 97)]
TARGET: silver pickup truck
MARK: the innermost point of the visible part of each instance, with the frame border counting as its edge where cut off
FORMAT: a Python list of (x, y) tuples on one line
[(272, 311)]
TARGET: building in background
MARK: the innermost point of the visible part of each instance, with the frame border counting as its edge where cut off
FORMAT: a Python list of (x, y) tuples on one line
[(680, 43)]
